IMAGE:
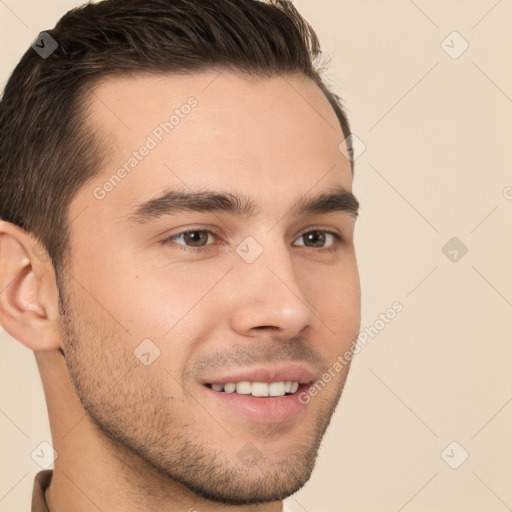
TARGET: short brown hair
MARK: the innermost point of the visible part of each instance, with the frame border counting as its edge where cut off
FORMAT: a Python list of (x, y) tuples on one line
[(47, 151)]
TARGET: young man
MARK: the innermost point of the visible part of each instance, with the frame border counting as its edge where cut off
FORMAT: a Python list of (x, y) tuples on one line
[(176, 247)]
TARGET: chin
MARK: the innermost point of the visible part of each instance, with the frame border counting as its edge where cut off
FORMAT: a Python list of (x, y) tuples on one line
[(255, 483)]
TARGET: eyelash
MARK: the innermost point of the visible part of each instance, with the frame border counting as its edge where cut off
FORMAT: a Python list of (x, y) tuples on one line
[(338, 239)]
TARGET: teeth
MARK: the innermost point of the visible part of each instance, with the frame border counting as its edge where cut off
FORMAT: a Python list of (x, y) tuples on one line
[(228, 388), (276, 389), (243, 388), (258, 389)]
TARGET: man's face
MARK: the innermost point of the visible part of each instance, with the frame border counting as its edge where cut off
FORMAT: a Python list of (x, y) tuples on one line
[(166, 305)]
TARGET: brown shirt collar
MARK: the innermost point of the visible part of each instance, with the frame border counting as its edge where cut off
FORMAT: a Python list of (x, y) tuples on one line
[(41, 482)]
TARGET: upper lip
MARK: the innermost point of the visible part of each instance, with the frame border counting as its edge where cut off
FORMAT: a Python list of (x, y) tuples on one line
[(274, 373)]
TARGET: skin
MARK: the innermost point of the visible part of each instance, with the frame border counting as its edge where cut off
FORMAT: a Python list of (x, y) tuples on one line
[(132, 437)]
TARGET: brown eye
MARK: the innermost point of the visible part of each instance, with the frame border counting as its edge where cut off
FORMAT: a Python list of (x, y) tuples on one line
[(319, 239), (315, 238), (193, 238)]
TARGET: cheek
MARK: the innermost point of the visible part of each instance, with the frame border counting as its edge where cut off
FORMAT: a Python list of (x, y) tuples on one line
[(146, 377), (335, 294), (161, 300)]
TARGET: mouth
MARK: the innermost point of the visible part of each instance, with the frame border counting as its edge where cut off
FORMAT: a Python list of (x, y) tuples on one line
[(262, 395), (258, 389)]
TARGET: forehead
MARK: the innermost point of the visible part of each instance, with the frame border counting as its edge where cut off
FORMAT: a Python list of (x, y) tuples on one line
[(269, 136)]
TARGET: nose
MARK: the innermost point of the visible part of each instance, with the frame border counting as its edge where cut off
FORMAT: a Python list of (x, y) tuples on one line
[(270, 295)]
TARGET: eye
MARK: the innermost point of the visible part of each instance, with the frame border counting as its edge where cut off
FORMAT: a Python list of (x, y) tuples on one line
[(320, 239), (193, 238)]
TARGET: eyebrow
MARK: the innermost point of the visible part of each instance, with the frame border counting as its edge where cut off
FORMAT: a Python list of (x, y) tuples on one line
[(172, 202)]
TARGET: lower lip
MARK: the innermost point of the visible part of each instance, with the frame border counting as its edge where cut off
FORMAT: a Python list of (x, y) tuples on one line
[(261, 409)]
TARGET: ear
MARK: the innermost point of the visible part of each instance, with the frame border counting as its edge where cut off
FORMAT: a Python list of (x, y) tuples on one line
[(29, 298)]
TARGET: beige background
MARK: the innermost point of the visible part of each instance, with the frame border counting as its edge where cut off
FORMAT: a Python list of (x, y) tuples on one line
[(438, 134)]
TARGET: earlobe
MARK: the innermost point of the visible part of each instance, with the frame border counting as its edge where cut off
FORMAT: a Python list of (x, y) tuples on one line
[(28, 291)]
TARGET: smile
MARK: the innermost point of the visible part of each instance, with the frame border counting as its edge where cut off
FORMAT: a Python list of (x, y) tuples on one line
[(257, 389)]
